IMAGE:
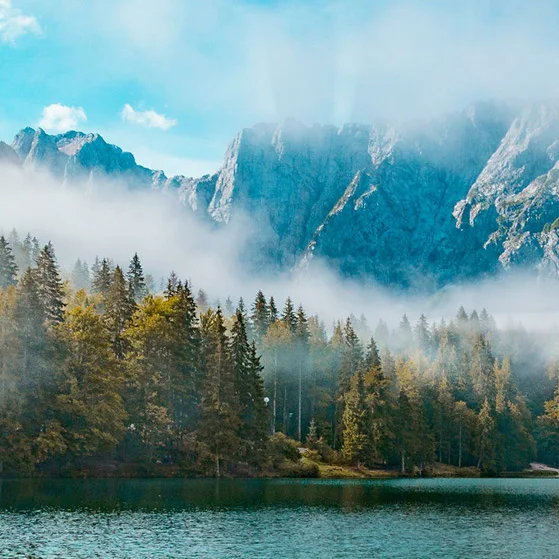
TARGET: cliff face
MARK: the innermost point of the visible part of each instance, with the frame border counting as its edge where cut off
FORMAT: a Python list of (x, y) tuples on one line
[(423, 204)]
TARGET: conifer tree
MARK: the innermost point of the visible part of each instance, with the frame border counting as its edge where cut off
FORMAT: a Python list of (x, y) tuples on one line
[(273, 311), (486, 444), (354, 435), (405, 333), (118, 309), (8, 267), (252, 408), (27, 253), (102, 276), (202, 301), (80, 275), (136, 280), (312, 436), (302, 356), (288, 315), (220, 396), (49, 285), (172, 283), (422, 334), (260, 317), (89, 405), (482, 369)]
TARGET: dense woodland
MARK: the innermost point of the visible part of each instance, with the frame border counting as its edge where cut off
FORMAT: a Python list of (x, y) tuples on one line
[(96, 369)]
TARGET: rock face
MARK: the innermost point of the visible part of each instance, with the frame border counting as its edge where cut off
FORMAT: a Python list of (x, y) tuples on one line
[(418, 205)]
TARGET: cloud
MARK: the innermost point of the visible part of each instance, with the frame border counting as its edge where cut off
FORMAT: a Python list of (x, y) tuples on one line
[(327, 63), (14, 24), (60, 118), (147, 119), (167, 236)]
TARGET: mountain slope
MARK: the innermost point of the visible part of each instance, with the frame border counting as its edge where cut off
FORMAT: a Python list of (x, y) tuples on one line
[(416, 205)]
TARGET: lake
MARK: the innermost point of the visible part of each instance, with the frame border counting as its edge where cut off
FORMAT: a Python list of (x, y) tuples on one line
[(408, 518)]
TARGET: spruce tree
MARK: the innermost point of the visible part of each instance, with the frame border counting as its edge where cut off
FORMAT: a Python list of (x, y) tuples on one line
[(486, 437), (49, 285), (288, 315), (102, 276), (8, 267), (172, 283), (136, 279), (202, 301), (260, 317), (80, 275), (302, 356), (252, 408), (118, 309), (220, 396), (273, 311)]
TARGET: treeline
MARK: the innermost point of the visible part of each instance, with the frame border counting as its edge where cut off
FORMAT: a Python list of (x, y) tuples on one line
[(96, 367)]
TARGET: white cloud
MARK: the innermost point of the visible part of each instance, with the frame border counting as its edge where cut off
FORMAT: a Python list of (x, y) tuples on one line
[(147, 119), (14, 24), (60, 118)]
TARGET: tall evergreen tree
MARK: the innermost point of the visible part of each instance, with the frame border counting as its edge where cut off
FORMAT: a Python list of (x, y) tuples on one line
[(136, 280), (119, 307), (80, 275), (273, 311), (102, 276), (260, 317), (8, 267), (220, 395), (49, 285), (252, 411), (288, 315)]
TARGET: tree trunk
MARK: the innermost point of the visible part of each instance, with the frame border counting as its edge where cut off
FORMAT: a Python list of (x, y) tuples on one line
[(403, 462), (285, 410), (274, 403), (300, 402), (460, 447)]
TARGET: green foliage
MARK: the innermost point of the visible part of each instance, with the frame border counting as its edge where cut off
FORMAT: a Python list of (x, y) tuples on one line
[(149, 381)]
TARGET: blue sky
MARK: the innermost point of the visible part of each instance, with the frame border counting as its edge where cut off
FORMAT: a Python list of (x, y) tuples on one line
[(173, 80)]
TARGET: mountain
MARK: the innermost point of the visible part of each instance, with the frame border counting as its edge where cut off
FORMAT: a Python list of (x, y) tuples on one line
[(421, 204)]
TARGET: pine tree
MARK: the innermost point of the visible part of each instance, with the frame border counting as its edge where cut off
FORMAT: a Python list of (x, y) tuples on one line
[(89, 405), (49, 285), (136, 280), (312, 436), (220, 396), (486, 441), (353, 435), (8, 267), (273, 310), (482, 370), (202, 301), (102, 275), (405, 333), (253, 412), (288, 316), (172, 283), (27, 254), (422, 334), (302, 356), (80, 275), (260, 317), (118, 309)]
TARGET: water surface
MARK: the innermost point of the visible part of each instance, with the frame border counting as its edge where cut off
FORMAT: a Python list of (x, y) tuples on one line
[(450, 518)]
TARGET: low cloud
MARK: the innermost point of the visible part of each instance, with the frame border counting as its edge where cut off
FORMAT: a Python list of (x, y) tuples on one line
[(167, 236), (14, 24), (147, 119), (60, 118)]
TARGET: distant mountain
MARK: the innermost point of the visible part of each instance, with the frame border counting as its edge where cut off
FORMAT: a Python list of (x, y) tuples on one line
[(417, 205)]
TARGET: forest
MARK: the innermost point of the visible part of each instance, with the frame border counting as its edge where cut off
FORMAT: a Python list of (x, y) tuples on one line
[(102, 374)]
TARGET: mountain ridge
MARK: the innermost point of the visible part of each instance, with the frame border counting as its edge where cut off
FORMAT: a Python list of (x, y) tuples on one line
[(425, 204)]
